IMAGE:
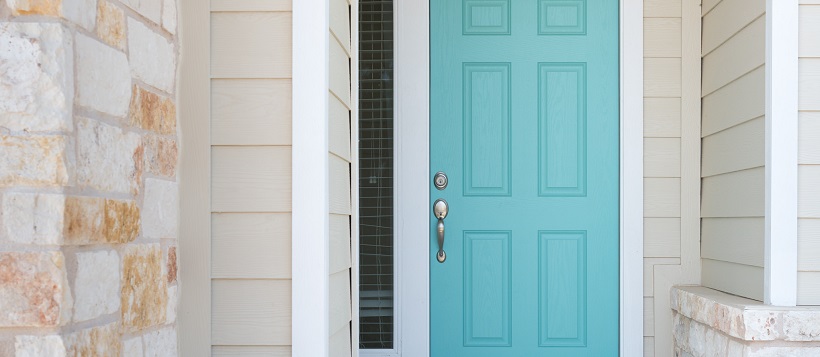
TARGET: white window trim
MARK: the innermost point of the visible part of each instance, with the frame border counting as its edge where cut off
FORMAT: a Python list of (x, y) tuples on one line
[(780, 249), (411, 130)]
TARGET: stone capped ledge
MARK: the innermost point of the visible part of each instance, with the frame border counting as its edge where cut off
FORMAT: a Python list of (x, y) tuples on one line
[(745, 319)]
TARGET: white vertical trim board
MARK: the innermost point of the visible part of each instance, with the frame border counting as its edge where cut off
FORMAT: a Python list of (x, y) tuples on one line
[(631, 75), (354, 176), (780, 252), (310, 254)]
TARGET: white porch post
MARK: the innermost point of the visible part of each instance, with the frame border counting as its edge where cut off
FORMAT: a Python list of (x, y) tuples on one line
[(310, 190), (780, 251)]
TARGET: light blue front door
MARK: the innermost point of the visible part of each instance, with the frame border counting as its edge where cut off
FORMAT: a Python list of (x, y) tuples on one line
[(525, 123)]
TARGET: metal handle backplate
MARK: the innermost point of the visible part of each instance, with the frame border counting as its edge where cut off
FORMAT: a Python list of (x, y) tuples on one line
[(440, 210)]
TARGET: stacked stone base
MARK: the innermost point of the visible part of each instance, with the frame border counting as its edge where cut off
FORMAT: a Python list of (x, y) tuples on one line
[(711, 323)]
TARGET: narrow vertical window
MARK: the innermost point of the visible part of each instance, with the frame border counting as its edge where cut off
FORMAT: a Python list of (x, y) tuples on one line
[(376, 174)]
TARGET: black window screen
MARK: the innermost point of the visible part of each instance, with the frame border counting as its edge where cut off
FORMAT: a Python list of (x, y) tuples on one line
[(376, 174)]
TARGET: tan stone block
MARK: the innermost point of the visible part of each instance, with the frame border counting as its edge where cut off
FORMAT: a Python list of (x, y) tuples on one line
[(36, 7), (171, 265), (144, 293), (101, 341), (33, 161), (93, 220), (160, 155), (111, 24), (151, 112), (33, 289)]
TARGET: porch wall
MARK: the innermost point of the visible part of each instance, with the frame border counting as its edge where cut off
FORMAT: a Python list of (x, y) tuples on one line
[(250, 172), (671, 161), (808, 260), (733, 90)]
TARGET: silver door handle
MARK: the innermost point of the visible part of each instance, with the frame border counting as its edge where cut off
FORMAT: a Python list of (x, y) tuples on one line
[(440, 210)]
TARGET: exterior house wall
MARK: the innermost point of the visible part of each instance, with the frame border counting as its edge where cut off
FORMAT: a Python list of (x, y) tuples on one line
[(88, 178), (340, 103), (250, 144), (671, 161), (808, 260), (733, 162)]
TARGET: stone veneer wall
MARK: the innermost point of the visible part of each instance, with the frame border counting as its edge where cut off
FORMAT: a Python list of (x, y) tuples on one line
[(88, 183), (711, 323)]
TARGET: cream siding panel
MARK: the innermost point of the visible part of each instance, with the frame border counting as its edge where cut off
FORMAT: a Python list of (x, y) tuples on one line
[(736, 194), (649, 272), (250, 5), (251, 312), (738, 279), (809, 138), (648, 346), (648, 316), (340, 73), (340, 343), (737, 102), (662, 77), (339, 301), (661, 117), (809, 23), (662, 37), (339, 185), (662, 157), (237, 54), (251, 179), (808, 244), (253, 351), (809, 84), (739, 55), (340, 23), (727, 18), (737, 148), (339, 129), (251, 112), (339, 242), (661, 197), (251, 245), (808, 288), (661, 8), (734, 240), (661, 237), (808, 202), (708, 5)]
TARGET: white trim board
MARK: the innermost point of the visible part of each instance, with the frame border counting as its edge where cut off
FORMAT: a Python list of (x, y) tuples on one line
[(411, 90), (780, 248)]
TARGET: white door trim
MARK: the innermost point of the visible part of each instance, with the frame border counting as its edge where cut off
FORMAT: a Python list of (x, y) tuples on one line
[(411, 90)]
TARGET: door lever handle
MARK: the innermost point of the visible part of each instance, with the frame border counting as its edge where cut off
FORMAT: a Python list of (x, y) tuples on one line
[(440, 210)]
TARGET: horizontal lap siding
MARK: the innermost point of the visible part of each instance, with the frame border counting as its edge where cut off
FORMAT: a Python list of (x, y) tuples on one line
[(733, 146), (808, 238), (251, 174), (340, 103)]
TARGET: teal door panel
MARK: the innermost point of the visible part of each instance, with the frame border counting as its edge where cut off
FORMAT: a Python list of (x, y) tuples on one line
[(525, 123)]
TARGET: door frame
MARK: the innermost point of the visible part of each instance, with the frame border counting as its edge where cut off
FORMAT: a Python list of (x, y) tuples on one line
[(412, 178)]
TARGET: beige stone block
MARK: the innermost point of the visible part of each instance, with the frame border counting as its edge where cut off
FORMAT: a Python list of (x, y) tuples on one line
[(152, 57), (33, 161), (81, 12), (171, 309), (169, 15), (160, 155), (31, 346), (144, 292), (160, 209), (171, 265), (152, 9), (103, 77), (97, 284), (36, 77), (108, 158), (92, 220), (132, 347), (111, 24), (33, 289), (802, 325), (152, 112), (161, 343), (31, 218), (35, 7), (94, 342)]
